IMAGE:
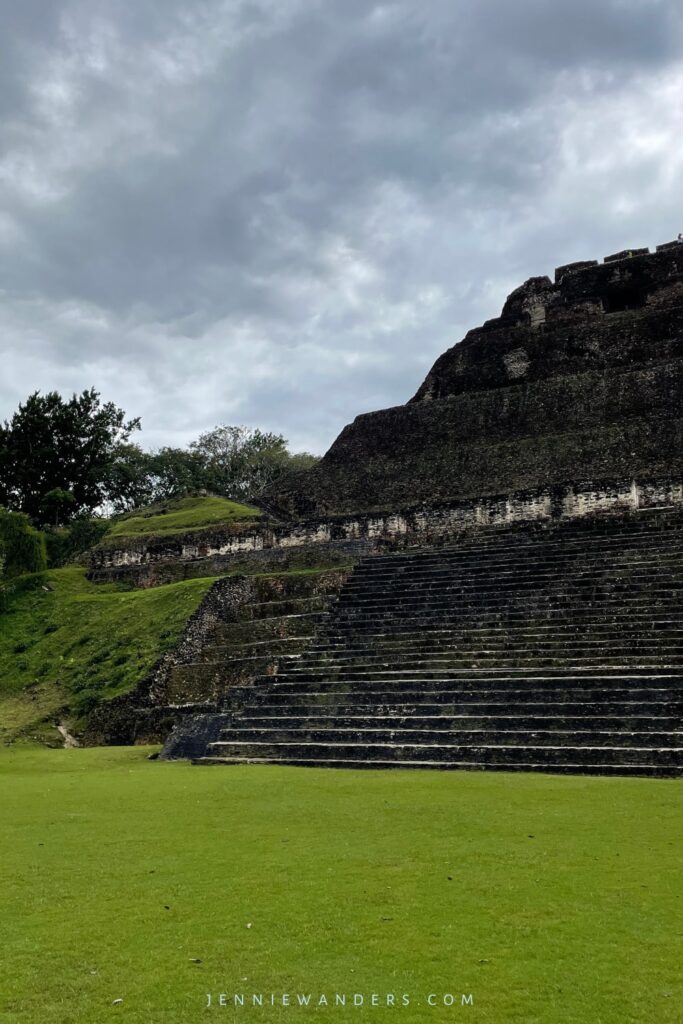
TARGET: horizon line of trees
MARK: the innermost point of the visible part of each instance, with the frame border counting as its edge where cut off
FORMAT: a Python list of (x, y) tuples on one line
[(63, 460)]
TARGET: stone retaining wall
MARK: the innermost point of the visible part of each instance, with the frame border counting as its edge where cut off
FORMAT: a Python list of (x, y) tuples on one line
[(345, 538)]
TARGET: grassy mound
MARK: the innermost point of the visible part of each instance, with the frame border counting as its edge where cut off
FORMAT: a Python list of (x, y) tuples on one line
[(180, 515), (65, 642), (551, 900)]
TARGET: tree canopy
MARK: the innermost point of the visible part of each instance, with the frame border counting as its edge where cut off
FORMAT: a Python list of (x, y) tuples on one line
[(57, 455), (63, 460)]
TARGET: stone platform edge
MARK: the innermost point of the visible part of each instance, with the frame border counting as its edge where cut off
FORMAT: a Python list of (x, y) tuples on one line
[(421, 524)]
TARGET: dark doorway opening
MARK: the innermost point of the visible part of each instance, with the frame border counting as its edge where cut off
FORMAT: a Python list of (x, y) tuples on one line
[(624, 295)]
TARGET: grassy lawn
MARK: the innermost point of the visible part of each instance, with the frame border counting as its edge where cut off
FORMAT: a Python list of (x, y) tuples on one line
[(179, 515), (67, 642), (549, 899)]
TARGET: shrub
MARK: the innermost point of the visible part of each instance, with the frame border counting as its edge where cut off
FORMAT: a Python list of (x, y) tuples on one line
[(66, 543), (21, 546)]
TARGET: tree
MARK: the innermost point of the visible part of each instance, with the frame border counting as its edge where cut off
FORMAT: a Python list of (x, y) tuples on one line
[(230, 460), (56, 456), (239, 462), (142, 478)]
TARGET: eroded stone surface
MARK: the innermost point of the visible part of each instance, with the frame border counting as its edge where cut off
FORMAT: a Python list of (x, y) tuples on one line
[(577, 379)]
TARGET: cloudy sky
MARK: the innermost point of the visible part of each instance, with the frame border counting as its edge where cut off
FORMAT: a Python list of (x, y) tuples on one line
[(279, 212)]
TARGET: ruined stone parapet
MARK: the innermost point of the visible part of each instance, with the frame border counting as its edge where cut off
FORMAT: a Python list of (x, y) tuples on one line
[(567, 326)]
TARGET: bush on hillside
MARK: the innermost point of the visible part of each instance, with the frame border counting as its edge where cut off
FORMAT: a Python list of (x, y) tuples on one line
[(22, 548), (66, 543)]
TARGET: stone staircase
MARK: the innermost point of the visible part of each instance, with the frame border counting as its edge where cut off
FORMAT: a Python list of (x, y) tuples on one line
[(551, 648), (245, 628)]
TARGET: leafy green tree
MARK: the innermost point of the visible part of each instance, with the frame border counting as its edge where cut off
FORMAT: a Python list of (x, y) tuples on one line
[(58, 505), (232, 461), (141, 478), (238, 461), (56, 456), (174, 472)]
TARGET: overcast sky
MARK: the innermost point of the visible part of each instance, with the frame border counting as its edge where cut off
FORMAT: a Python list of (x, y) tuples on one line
[(280, 212)]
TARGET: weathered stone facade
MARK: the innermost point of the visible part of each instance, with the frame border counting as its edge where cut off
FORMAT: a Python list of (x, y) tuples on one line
[(580, 379), (342, 539)]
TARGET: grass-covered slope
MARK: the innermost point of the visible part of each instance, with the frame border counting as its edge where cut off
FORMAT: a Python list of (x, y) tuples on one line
[(551, 900), (178, 516), (66, 642)]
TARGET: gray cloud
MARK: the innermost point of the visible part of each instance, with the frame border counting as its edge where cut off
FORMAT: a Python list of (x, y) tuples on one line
[(280, 213)]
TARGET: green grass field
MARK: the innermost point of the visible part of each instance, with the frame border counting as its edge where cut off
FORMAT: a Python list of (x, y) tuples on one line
[(548, 899), (179, 515), (66, 642)]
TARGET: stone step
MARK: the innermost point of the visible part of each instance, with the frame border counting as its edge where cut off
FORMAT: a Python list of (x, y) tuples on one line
[(274, 626), (501, 632), (577, 584), (605, 554), (523, 573), (456, 597), (291, 673), (288, 672), (273, 648), (486, 675), (579, 705), (414, 719), (487, 686), (453, 690), (522, 536), (597, 598), (447, 618), (572, 652), (670, 756), (569, 586), (473, 642), (529, 596), (597, 632), (461, 737), (642, 560), (642, 769), (645, 545), (248, 665), (290, 606)]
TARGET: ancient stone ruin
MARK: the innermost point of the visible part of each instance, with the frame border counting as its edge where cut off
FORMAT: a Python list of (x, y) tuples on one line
[(499, 562)]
